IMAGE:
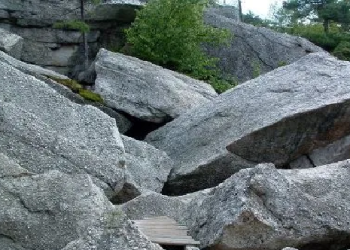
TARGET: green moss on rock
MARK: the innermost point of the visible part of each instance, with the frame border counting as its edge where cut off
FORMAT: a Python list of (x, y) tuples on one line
[(78, 88), (91, 96)]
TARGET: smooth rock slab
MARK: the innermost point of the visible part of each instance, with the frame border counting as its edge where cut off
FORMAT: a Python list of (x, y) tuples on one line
[(58, 211), (277, 118), (266, 208), (147, 91), (42, 130)]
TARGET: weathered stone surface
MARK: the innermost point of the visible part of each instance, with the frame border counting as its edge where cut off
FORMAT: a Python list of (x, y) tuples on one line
[(42, 130), (145, 90), (9, 167), (147, 169), (38, 13), (60, 211), (275, 118), (11, 43), (123, 123), (266, 208), (334, 152), (254, 50), (59, 49), (151, 204), (147, 166), (48, 54), (28, 68)]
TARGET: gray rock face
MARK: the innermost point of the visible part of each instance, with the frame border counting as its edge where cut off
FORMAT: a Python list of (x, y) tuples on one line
[(43, 130), (254, 50), (147, 166), (275, 118), (41, 73), (145, 90), (147, 169), (28, 68), (152, 204), (9, 167), (38, 13), (11, 43), (59, 211), (334, 152), (61, 50), (265, 208)]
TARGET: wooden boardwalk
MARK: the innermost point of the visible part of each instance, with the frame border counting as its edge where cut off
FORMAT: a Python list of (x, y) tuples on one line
[(165, 231)]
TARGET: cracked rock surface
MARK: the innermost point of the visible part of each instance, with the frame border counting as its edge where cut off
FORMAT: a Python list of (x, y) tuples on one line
[(266, 208), (276, 118), (254, 50), (59, 211), (42, 130)]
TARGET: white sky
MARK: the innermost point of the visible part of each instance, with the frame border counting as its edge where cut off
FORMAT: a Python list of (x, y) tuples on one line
[(258, 7)]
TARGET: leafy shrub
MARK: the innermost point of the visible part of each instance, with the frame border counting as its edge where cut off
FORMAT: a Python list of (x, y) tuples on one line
[(221, 85), (315, 33), (342, 51), (170, 33)]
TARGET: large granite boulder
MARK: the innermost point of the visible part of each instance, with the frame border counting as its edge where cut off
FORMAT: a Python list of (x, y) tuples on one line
[(277, 118), (11, 43), (147, 91), (47, 76), (42, 130), (253, 50), (57, 211), (147, 168), (266, 208)]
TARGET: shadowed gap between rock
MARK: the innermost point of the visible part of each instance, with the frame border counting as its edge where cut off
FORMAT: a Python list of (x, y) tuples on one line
[(140, 128)]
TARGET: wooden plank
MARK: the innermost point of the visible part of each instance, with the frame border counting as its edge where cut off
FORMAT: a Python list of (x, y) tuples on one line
[(166, 241), (166, 231), (165, 226)]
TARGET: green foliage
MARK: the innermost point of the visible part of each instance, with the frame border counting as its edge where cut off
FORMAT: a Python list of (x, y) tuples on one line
[(222, 84), (342, 51), (73, 25), (78, 88), (170, 33), (324, 11), (314, 32)]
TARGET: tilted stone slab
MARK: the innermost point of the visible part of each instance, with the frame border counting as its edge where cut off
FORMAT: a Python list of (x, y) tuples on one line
[(42, 130), (277, 118), (147, 91)]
